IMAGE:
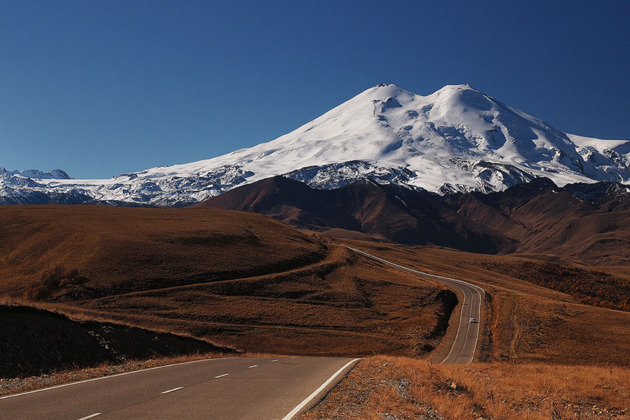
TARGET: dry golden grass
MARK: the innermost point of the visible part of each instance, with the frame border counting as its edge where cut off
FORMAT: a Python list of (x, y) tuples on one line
[(256, 285), (404, 388), (551, 357)]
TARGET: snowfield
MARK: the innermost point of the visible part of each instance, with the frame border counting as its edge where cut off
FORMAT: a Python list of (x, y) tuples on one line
[(456, 139)]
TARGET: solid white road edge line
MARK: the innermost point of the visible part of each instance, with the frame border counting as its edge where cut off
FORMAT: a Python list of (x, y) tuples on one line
[(317, 391), (90, 416), (171, 390), (252, 366), (221, 376), (113, 376)]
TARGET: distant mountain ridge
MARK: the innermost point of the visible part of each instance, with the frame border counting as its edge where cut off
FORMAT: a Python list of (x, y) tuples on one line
[(390, 212), (585, 222), (34, 174), (455, 140)]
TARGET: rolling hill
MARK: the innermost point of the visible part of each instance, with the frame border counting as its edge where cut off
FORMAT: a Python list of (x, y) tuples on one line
[(236, 279)]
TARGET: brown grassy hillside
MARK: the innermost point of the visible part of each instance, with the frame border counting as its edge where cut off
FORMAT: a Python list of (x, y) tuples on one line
[(247, 282), (238, 279), (116, 250), (546, 355), (343, 305)]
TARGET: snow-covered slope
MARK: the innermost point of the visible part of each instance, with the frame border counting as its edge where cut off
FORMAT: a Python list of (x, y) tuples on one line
[(456, 139)]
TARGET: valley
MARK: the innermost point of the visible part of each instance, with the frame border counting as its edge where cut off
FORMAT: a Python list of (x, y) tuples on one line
[(351, 237), (238, 282), (306, 210)]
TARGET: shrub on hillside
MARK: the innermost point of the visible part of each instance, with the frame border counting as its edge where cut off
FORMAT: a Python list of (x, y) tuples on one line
[(51, 281)]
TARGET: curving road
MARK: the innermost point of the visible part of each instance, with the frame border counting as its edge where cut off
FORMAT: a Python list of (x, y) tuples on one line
[(228, 388), (472, 297)]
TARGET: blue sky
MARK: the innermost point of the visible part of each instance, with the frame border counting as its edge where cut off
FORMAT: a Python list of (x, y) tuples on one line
[(99, 88)]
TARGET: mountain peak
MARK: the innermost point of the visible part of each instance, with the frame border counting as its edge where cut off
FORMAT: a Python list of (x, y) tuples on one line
[(384, 91), (457, 87), (453, 94), (455, 139), (445, 88), (450, 99), (464, 95), (35, 174)]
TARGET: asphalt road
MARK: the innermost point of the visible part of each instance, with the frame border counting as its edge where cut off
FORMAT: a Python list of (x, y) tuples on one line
[(229, 388), (471, 299)]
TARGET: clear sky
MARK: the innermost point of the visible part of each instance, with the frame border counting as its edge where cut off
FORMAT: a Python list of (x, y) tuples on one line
[(98, 88)]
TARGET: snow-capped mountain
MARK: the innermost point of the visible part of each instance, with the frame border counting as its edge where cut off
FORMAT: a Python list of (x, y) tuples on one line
[(456, 139), (33, 174)]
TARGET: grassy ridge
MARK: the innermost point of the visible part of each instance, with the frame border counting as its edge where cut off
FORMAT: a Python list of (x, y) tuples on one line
[(527, 322)]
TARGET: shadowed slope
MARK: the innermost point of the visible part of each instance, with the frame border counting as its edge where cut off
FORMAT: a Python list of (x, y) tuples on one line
[(391, 212), (588, 223), (55, 342)]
